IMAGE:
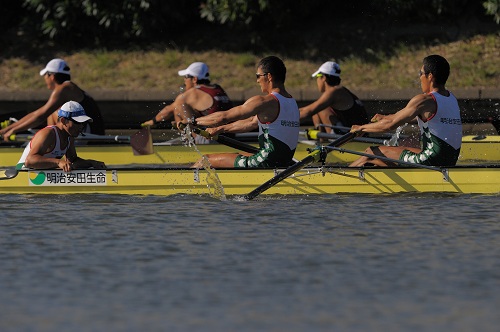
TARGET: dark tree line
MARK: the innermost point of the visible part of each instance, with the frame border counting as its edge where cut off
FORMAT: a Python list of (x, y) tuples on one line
[(237, 24)]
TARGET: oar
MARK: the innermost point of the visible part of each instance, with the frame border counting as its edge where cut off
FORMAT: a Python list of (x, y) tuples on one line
[(84, 137), (8, 173), (314, 156), (395, 161), (104, 138), (141, 142), (346, 129), (313, 134), (231, 142)]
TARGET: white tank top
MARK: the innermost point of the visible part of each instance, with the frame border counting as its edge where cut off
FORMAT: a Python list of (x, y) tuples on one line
[(287, 125), (446, 123), (57, 152)]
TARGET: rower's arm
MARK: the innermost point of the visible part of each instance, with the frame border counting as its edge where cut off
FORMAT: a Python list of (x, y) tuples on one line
[(240, 126), (58, 97), (253, 106), (418, 105), (323, 102)]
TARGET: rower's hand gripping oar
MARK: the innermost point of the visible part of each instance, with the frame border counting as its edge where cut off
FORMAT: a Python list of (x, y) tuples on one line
[(317, 154), (231, 142)]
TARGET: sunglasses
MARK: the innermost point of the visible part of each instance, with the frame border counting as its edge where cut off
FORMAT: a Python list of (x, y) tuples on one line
[(188, 76), (257, 75), (76, 122)]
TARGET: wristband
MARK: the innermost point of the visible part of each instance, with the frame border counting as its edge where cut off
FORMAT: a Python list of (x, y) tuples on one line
[(154, 120)]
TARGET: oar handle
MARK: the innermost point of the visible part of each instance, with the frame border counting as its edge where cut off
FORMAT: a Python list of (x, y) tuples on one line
[(231, 142), (314, 134), (346, 129), (19, 137)]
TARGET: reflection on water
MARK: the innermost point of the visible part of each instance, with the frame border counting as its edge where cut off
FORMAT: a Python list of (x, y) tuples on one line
[(193, 263)]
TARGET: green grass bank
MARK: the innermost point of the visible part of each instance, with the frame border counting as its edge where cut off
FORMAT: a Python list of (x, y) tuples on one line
[(475, 63)]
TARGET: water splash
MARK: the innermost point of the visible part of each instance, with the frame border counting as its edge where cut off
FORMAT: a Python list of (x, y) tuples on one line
[(214, 184), (394, 140)]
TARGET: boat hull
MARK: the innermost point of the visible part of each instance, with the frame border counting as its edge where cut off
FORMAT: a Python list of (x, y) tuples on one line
[(473, 150), (228, 182)]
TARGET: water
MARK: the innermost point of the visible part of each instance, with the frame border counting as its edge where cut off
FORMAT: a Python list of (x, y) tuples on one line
[(401, 262), (393, 141)]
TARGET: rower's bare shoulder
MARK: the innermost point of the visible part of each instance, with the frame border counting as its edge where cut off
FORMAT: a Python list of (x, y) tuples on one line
[(260, 99), (420, 100)]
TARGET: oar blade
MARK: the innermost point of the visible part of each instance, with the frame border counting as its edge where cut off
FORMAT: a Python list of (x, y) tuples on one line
[(310, 158), (8, 173), (142, 142)]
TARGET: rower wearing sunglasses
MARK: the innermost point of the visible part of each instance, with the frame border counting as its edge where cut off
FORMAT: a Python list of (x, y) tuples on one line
[(337, 106), (275, 114)]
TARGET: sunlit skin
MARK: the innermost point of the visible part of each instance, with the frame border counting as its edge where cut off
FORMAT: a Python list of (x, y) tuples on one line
[(244, 117), (185, 105), (61, 93), (331, 96), (422, 105), (45, 141)]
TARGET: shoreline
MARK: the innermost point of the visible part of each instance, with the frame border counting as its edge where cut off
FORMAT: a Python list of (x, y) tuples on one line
[(300, 94)]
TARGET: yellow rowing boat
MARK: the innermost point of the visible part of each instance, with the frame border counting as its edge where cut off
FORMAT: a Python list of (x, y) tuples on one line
[(163, 180), (475, 149)]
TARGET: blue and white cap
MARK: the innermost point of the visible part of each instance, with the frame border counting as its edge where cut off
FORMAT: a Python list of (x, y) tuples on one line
[(74, 111)]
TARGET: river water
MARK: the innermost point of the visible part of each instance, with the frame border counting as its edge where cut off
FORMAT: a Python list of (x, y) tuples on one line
[(405, 262)]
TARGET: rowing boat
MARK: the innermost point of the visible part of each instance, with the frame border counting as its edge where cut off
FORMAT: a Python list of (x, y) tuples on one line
[(475, 149), (315, 180)]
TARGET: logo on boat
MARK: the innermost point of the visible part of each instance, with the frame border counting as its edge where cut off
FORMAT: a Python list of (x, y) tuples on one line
[(73, 178), (37, 178)]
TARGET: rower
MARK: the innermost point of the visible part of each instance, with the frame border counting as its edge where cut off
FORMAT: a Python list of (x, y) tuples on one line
[(337, 106), (438, 117), (198, 97), (58, 79), (50, 144), (276, 114)]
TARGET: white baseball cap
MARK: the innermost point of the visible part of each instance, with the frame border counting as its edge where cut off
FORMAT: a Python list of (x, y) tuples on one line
[(328, 68), (55, 66), (74, 111), (196, 69)]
